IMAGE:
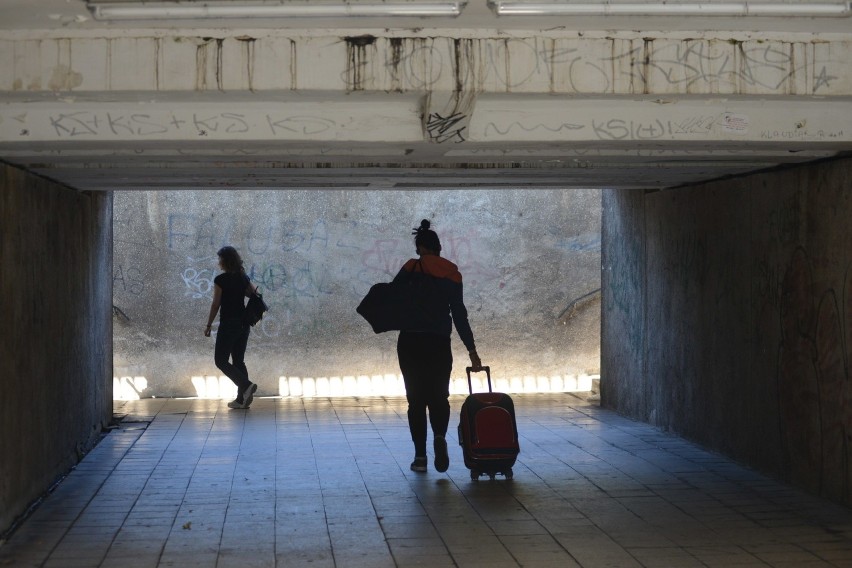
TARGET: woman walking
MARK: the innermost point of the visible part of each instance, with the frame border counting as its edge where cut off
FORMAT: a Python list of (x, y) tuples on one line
[(424, 351), (229, 291)]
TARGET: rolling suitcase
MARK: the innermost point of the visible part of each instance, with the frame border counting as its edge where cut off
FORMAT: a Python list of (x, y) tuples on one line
[(488, 432)]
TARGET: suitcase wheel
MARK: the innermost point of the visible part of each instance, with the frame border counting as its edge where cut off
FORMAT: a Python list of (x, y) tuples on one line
[(474, 474)]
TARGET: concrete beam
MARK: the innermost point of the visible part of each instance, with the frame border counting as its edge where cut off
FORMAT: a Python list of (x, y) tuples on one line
[(75, 106), (646, 120), (394, 118), (386, 119), (463, 61)]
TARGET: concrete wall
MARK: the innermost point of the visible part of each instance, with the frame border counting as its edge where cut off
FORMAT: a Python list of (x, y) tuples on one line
[(727, 318), (55, 288), (554, 61), (525, 256)]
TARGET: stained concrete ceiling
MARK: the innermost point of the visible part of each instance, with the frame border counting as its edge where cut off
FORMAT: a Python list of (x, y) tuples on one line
[(388, 163)]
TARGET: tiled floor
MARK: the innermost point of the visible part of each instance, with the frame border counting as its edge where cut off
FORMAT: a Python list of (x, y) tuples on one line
[(325, 482)]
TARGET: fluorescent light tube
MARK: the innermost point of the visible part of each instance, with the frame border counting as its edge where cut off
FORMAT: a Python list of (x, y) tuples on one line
[(169, 11), (843, 9), (517, 8)]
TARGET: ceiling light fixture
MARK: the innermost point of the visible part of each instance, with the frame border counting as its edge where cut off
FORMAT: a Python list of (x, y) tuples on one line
[(815, 10), (183, 11)]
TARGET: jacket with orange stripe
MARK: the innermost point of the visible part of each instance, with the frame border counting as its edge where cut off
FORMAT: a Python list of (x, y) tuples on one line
[(449, 281)]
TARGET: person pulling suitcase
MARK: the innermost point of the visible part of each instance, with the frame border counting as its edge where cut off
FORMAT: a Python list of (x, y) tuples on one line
[(423, 347)]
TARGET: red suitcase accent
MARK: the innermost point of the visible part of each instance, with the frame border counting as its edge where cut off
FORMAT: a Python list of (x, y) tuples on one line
[(488, 431)]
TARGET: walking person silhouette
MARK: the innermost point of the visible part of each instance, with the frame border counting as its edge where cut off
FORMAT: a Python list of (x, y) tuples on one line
[(425, 354), (229, 292)]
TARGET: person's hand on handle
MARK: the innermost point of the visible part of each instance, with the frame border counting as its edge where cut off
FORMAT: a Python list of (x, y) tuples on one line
[(475, 362)]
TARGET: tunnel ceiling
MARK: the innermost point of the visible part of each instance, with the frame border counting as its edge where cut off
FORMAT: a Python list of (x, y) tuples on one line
[(414, 166), (472, 101)]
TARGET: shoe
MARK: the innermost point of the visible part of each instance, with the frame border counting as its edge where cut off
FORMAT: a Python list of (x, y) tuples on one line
[(442, 459), (235, 404), (248, 395), (419, 464)]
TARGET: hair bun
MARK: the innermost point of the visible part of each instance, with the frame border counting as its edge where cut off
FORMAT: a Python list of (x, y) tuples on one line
[(423, 228)]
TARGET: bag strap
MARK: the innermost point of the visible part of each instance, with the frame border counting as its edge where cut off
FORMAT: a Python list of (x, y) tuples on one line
[(248, 283)]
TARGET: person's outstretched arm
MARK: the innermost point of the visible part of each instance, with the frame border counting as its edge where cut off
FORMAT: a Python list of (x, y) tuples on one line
[(459, 312)]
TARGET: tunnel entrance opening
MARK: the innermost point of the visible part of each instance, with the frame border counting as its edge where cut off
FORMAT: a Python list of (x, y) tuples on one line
[(530, 259)]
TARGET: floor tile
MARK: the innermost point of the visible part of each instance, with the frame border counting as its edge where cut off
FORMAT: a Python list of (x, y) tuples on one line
[(325, 483)]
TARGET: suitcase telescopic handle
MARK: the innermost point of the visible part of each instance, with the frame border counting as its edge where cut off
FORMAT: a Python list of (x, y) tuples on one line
[(470, 370)]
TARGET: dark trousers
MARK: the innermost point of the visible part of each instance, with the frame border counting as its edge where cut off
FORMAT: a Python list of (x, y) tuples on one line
[(231, 342), (426, 361)]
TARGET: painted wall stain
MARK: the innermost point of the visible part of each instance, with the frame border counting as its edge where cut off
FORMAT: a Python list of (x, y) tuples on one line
[(357, 61), (64, 79)]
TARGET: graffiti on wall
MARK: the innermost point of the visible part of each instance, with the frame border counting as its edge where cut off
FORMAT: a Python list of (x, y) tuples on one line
[(363, 257), (315, 254), (106, 124), (398, 64), (609, 66), (128, 279), (310, 269)]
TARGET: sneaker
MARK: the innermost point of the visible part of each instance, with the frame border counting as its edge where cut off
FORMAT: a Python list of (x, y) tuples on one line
[(235, 404), (419, 464), (442, 459), (248, 395)]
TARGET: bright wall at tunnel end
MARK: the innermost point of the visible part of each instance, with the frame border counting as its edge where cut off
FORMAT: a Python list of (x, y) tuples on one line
[(525, 257)]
